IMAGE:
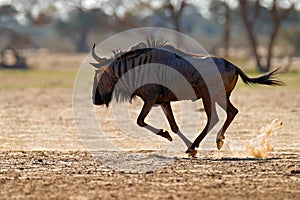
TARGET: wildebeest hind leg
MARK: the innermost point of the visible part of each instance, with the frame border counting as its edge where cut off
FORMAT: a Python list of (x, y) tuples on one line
[(144, 112), (231, 113)]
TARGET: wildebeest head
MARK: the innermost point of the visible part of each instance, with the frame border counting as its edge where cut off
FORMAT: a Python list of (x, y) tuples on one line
[(103, 80), (103, 87)]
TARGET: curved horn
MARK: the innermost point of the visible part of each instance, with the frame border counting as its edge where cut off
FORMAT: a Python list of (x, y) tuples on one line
[(101, 61), (97, 58)]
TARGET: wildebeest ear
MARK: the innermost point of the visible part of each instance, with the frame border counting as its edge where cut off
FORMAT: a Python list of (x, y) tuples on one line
[(101, 61)]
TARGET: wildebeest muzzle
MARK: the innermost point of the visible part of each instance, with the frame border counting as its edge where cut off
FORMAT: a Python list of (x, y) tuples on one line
[(97, 99)]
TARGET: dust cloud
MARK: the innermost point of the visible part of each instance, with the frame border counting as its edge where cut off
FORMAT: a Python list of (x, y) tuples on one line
[(259, 147)]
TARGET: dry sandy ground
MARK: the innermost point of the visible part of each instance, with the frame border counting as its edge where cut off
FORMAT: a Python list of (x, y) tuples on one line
[(42, 156)]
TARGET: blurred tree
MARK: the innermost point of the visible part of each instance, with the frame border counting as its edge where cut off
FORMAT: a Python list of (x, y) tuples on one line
[(7, 10), (107, 15), (169, 9), (35, 12), (173, 8), (176, 8), (8, 23), (123, 14), (81, 22), (277, 13), (292, 36), (20, 18), (249, 25), (221, 11)]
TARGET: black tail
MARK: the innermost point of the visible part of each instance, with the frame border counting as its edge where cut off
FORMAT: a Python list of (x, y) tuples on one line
[(266, 79)]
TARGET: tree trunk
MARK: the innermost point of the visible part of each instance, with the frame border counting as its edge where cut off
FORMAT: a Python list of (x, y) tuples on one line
[(227, 31), (81, 45), (251, 34), (176, 15), (271, 44), (176, 22)]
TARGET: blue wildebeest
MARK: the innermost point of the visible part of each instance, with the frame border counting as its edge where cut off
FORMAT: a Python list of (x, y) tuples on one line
[(110, 70)]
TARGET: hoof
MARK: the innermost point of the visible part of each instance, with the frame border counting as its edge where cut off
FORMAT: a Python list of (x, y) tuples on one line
[(191, 153), (220, 144), (220, 141), (165, 134)]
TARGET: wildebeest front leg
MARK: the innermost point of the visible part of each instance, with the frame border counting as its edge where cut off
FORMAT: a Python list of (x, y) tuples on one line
[(169, 114), (144, 112)]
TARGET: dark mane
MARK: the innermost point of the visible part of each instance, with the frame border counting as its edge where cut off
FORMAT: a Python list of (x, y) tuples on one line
[(143, 47)]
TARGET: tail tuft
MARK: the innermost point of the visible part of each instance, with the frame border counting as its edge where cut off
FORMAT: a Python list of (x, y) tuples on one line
[(267, 79)]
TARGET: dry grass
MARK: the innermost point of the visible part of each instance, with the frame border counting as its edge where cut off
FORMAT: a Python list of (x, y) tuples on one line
[(44, 59)]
